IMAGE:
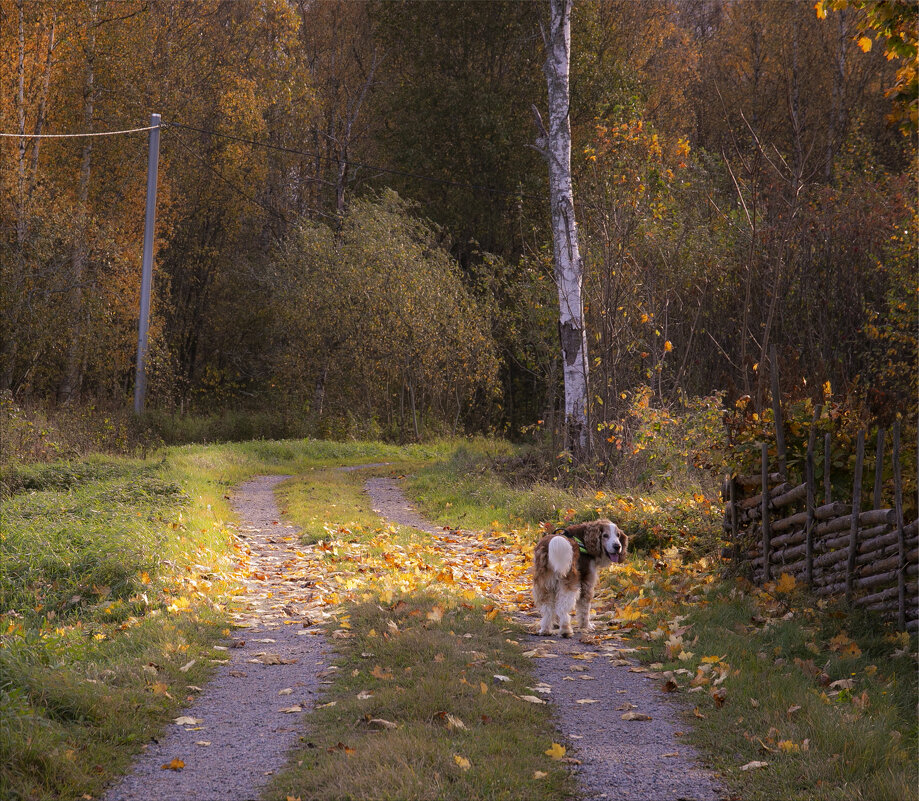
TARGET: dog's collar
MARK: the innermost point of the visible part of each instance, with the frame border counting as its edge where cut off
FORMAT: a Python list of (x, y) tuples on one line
[(581, 547)]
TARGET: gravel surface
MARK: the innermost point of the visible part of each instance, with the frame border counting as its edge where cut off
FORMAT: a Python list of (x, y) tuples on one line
[(634, 760), (240, 709)]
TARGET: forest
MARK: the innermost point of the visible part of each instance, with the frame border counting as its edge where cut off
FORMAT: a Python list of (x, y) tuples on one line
[(352, 228)]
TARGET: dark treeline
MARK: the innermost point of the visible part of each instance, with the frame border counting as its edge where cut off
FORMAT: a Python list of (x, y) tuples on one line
[(744, 179)]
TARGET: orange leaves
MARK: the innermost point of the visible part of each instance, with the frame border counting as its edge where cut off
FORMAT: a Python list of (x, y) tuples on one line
[(845, 646), (176, 764)]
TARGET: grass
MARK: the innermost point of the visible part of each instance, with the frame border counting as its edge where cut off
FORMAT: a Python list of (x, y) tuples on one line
[(825, 697), (414, 711)]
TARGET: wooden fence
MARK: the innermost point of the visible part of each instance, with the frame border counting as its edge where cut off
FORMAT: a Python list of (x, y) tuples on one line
[(869, 556)]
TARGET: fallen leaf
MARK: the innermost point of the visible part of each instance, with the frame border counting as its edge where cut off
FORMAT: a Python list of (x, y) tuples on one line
[(203, 742), (670, 686), (187, 666), (698, 714), (379, 673), (788, 747), (786, 583), (539, 774), (380, 723), (363, 695), (499, 677), (719, 696), (555, 751), (754, 765), (285, 691), (292, 709), (635, 716), (483, 688), (531, 699), (454, 722), (587, 701), (436, 614), (792, 709), (464, 763), (185, 720), (175, 764)]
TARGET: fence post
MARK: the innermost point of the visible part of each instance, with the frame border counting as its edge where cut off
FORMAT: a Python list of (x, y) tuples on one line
[(809, 479), (767, 569), (732, 499), (856, 510), (879, 468), (777, 411), (827, 487), (901, 538)]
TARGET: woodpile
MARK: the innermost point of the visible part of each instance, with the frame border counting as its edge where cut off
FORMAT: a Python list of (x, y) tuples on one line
[(869, 555)]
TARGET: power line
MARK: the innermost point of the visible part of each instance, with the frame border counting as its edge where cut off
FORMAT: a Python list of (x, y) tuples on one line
[(294, 151), (77, 135), (374, 167)]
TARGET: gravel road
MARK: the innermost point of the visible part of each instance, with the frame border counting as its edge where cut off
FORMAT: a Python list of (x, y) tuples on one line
[(240, 709)]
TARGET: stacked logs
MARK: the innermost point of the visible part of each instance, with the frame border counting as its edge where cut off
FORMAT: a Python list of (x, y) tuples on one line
[(835, 548)]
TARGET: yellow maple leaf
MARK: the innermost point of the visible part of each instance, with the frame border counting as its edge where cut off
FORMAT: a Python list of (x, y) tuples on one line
[(788, 747), (436, 614), (556, 751), (865, 43), (483, 688), (464, 763), (786, 583), (713, 659), (175, 764)]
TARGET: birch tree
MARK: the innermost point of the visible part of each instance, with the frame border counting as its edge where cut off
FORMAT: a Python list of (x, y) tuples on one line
[(555, 147)]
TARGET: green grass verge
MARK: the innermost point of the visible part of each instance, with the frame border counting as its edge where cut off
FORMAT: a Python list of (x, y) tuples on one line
[(414, 711), (826, 698)]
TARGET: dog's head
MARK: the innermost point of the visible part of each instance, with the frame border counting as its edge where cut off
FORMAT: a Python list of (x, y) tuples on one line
[(604, 540)]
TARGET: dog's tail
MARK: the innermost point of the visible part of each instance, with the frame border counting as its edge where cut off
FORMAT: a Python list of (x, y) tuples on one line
[(560, 555)]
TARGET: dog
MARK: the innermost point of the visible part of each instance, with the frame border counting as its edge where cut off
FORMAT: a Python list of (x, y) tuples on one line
[(565, 566)]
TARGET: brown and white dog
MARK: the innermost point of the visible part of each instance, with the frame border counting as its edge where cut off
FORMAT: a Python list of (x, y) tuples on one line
[(565, 565)]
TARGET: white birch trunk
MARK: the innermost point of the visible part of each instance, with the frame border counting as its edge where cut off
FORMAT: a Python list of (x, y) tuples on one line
[(555, 146)]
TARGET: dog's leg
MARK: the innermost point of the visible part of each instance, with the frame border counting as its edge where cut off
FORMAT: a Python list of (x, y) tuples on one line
[(545, 602), (564, 605), (548, 618), (584, 623), (588, 584)]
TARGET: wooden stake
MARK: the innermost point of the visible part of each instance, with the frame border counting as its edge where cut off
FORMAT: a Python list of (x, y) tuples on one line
[(856, 507), (809, 526), (879, 468), (767, 568), (827, 487), (732, 493), (901, 538), (777, 412)]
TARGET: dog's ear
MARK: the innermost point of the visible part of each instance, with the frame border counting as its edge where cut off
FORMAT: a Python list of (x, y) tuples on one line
[(593, 532), (624, 541)]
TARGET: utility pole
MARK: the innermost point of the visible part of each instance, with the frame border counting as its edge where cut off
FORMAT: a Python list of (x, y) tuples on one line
[(153, 160)]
